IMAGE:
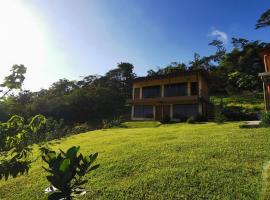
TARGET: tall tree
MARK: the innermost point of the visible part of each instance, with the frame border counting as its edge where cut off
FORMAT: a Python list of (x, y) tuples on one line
[(14, 81)]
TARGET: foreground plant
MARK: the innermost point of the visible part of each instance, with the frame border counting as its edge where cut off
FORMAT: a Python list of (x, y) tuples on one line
[(66, 172), (15, 144)]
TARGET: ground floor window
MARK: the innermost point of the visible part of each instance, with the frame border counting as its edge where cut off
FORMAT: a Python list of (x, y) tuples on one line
[(143, 111), (184, 110)]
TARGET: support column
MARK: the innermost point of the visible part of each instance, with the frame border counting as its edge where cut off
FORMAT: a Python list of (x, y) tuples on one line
[(162, 90), (171, 111), (200, 108), (189, 89), (200, 86), (154, 112), (132, 112), (140, 92)]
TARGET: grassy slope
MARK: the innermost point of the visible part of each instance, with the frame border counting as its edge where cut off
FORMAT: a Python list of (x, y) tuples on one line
[(179, 161)]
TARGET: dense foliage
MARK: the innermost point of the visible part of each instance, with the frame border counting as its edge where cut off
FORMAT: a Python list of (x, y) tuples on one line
[(16, 136), (93, 98)]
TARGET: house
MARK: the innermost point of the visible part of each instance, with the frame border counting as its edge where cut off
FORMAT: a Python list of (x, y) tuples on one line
[(265, 76), (176, 96)]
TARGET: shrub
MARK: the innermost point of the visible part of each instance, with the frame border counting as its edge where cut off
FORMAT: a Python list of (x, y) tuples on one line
[(265, 120), (219, 116), (66, 172), (80, 128), (16, 136), (166, 119), (191, 120), (117, 122), (237, 113)]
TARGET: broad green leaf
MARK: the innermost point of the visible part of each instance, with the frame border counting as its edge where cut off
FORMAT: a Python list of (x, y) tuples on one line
[(64, 165)]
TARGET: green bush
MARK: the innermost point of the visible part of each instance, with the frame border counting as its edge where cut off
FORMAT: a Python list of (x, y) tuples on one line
[(117, 122), (191, 120), (16, 138), (265, 120), (80, 128), (219, 117), (66, 172), (166, 119)]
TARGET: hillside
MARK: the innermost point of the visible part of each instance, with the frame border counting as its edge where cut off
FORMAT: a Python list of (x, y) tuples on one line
[(247, 100), (153, 161)]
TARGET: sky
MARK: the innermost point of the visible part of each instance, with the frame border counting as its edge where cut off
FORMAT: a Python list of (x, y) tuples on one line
[(74, 38)]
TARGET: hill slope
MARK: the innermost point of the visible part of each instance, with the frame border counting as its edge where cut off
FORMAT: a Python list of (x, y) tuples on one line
[(179, 161)]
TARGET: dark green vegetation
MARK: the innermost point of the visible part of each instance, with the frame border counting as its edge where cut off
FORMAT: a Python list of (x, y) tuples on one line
[(66, 172), (265, 122), (175, 161), (245, 106)]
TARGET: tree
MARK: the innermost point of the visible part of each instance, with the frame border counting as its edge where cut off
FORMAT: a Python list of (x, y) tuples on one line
[(14, 81), (16, 136), (171, 68), (264, 20)]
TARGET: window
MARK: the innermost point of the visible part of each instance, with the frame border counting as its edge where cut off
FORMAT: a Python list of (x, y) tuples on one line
[(194, 88), (143, 111), (151, 92), (184, 110), (179, 89), (136, 93)]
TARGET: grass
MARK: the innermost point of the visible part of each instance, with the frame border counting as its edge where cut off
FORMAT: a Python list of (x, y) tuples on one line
[(175, 161)]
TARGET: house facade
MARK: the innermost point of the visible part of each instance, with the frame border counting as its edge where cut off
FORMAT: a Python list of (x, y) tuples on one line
[(265, 76), (176, 96)]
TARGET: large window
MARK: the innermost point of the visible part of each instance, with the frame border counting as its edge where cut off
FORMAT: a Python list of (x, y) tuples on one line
[(151, 92), (184, 110), (143, 111), (179, 89), (194, 88)]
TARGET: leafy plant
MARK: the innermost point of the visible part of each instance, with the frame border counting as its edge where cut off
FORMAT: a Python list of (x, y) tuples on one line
[(15, 141), (66, 172), (265, 120), (191, 120), (117, 122)]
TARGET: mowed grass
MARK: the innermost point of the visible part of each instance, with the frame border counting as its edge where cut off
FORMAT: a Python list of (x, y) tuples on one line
[(177, 161)]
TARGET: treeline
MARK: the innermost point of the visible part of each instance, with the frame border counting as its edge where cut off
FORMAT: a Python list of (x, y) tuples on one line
[(230, 71), (95, 98)]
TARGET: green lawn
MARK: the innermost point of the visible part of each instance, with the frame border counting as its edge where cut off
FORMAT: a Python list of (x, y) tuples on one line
[(177, 161)]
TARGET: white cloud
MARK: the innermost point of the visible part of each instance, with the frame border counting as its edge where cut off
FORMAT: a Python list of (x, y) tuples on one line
[(220, 35)]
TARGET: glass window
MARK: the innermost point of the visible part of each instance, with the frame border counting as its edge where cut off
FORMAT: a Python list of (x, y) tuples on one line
[(143, 111), (194, 88), (184, 110), (136, 93), (151, 92), (179, 89)]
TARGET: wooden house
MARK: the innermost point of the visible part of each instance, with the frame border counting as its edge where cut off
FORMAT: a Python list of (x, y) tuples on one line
[(175, 96)]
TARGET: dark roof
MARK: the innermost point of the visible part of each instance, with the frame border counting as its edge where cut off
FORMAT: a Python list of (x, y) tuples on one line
[(203, 73)]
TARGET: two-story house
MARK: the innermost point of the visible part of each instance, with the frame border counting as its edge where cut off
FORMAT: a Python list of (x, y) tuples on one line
[(176, 96)]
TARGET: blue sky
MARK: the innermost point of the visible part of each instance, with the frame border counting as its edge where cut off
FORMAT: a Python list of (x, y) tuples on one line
[(69, 39)]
